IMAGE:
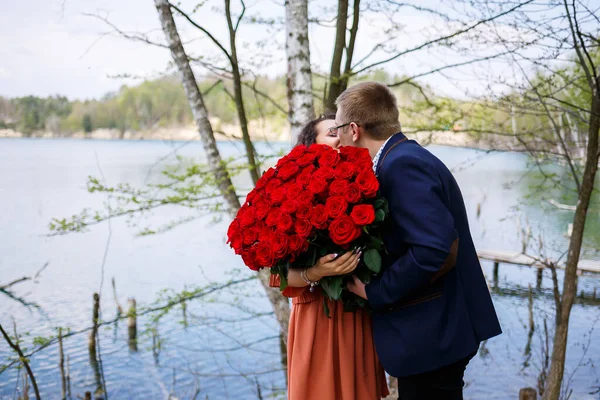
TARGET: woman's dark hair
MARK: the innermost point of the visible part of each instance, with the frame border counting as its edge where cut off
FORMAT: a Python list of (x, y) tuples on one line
[(308, 135)]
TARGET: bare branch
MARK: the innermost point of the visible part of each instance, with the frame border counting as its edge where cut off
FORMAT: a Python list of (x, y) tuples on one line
[(22, 359), (444, 38), (211, 37)]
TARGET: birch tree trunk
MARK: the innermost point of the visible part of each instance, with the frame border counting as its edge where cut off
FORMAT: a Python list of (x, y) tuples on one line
[(299, 82), (196, 102), (280, 304)]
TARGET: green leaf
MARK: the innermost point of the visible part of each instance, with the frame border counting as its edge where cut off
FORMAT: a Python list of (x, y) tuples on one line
[(375, 242), (380, 203), (283, 282), (380, 215), (373, 260), (332, 287)]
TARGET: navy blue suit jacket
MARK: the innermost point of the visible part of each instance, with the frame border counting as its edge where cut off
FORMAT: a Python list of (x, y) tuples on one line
[(431, 304)]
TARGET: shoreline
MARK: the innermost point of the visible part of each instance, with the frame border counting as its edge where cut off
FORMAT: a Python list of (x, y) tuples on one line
[(225, 134)]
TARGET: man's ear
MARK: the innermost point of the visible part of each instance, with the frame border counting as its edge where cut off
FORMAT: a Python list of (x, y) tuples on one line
[(356, 132)]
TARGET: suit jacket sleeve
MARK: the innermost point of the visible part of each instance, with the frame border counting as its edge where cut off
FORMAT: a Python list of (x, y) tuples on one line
[(419, 210)]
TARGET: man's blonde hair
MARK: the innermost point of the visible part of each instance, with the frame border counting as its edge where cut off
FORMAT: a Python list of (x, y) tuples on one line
[(372, 106)]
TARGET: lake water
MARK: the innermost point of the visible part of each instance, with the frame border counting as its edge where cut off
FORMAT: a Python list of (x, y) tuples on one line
[(229, 347)]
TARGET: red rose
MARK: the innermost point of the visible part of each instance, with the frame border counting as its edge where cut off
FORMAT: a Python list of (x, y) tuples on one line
[(264, 179), (246, 216), (296, 243), (237, 242), (365, 165), (304, 211), (324, 173), (290, 205), (234, 228), (293, 190), (250, 197), (250, 235), (285, 222), (297, 152), (305, 197), (249, 258), (329, 158), (272, 185), (279, 244), (261, 209), (336, 206), (354, 154), (306, 159), (264, 255), (343, 230), (319, 217), (303, 227), (318, 148), (352, 193), (277, 196), (344, 170), (272, 217), (363, 214), (282, 161), (317, 185), (288, 171), (304, 179), (338, 187), (368, 183), (265, 235)]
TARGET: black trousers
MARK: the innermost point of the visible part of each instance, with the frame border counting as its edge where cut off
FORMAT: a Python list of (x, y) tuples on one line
[(445, 383)]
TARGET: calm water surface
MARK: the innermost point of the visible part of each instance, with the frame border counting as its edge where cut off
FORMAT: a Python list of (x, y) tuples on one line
[(225, 350)]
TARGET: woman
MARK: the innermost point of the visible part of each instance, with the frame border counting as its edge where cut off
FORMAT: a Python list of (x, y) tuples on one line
[(328, 358)]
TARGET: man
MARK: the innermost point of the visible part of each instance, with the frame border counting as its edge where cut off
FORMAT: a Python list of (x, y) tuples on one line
[(431, 305)]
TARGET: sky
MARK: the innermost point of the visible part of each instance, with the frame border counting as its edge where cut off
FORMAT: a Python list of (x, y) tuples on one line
[(50, 47)]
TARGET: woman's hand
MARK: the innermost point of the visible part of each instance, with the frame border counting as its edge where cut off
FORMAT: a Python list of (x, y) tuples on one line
[(329, 265)]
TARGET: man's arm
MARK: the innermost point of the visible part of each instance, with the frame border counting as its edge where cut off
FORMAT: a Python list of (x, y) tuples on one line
[(418, 210)]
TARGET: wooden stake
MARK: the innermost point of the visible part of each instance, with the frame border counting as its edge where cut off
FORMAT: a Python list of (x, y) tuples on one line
[(527, 394), (61, 365), (132, 325)]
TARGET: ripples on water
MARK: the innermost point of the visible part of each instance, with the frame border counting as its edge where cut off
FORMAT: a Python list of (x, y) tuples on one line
[(210, 356)]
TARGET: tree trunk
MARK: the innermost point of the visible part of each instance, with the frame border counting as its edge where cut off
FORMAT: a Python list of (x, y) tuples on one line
[(559, 350), (239, 100), (280, 304), (350, 49), (338, 52), (197, 105), (299, 82)]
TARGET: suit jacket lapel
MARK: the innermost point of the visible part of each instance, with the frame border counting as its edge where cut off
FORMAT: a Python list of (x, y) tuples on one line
[(396, 138)]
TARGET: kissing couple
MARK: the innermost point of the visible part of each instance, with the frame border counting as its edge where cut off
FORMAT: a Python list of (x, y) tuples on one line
[(431, 307)]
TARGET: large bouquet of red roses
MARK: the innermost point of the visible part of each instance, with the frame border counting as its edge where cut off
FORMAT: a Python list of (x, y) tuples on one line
[(315, 201)]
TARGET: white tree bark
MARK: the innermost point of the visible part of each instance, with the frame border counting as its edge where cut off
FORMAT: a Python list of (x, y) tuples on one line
[(299, 82), (280, 304), (196, 104)]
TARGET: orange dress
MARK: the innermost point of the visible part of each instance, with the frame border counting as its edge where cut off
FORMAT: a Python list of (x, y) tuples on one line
[(330, 358)]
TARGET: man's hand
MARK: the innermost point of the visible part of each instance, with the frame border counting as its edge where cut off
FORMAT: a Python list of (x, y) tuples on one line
[(357, 287)]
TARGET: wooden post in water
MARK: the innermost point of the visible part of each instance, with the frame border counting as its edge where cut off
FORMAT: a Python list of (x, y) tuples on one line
[(61, 365), (496, 268), (540, 275), (527, 394), (132, 325), (94, 331), (88, 396), (594, 294)]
